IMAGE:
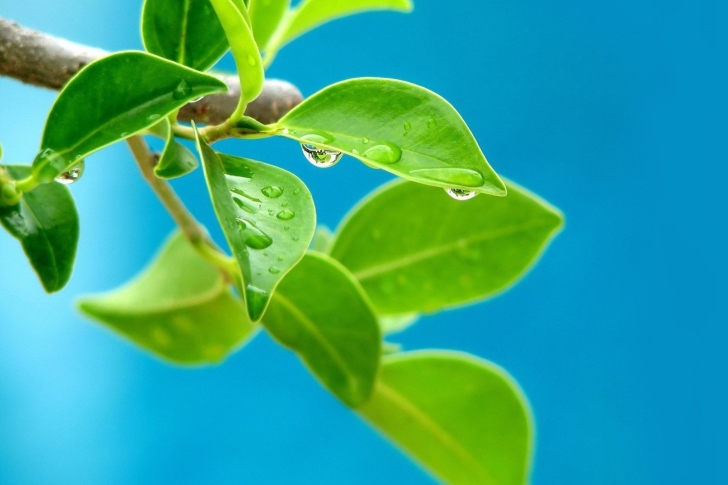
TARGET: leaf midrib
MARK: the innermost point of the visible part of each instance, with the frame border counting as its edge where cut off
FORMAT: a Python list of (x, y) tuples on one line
[(46, 239), (436, 251)]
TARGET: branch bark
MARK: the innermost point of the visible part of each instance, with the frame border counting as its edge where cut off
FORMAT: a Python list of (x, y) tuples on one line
[(43, 60)]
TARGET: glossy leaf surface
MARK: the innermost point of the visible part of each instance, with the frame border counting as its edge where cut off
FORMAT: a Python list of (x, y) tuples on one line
[(321, 313), (176, 160), (267, 215), (46, 224), (245, 51), (184, 31), (309, 14), (396, 126), (416, 250), (179, 308), (265, 17), (111, 99), (464, 419)]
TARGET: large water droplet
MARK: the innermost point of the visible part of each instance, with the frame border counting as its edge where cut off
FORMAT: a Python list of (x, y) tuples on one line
[(273, 270), (461, 194), (48, 165), (319, 157), (455, 176), (286, 215), (70, 176), (386, 153), (272, 191), (253, 236), (182, 90)]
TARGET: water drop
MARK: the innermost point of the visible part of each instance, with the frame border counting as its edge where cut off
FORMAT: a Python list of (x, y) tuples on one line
[(285, 204), (70, 176), (386, 153), (365, 141), (153, 117), (355, 151), (319, 157), (455, 176), (287, 228), (297, 191), (295, 238), (265, 253), (48, 165), (273, 270), (253, 236), (286, 215), (407, 126), (461, 194), (252, 60), (182, 90), (280, 258), (272, 191), (431, 123)]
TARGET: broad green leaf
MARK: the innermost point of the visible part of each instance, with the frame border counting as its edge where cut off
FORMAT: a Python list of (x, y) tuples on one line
[(245, 51), (416, 250), (322, 239), (321, 313), (465, 420), (267, 215), (265, 17), (179, 308), (176, 160), (397, 323), (46, 224), (309, 14), (112, 99), (184, 31), (396, 126)]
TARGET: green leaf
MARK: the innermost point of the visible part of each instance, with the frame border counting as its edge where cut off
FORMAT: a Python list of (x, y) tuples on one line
[(311, 13), (465, 420), (46, 224), (265, 17), (396, 126), (100, 106), (321, 313), (322, 239), (267, 215), (184, 31), (397, 323), (416, 250), (176, 159), (245, 50), (179, 308)]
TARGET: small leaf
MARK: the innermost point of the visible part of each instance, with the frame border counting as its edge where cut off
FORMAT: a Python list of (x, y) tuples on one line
[(245, 51), (416, 250), (396, 126), (265, 17), (309, 14), (179, 308), (184, 31), (176, 159), (112, 99), (397, 323), (46, 224), (321, 313), (267, 215), (463, 419)]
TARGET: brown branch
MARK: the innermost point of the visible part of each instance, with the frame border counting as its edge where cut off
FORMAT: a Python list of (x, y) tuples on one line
[(40, 59)]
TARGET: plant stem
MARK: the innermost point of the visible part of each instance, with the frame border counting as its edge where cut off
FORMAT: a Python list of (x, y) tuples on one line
[(192, 230)]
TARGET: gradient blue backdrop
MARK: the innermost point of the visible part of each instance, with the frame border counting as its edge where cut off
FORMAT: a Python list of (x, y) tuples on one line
[(607, 109)]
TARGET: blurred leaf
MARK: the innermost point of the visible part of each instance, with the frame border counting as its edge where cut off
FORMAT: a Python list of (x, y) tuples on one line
[(321, 313), (322, 240), (46, 224), (397, 323), (179, 308), (245, 51), (265, 17), (396, 126), (268, 218), (100, 106), (464, 419), (309, 14), (176, 159), (184, 31), (415, 250)]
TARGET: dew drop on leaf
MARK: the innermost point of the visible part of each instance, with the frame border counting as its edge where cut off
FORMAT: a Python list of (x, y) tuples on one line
[(272, 191), (461, 194), (273, 270), (386, 153), (297, 191), (320, 158), (73, 175), (253, 236), (286, 215), (431, 123), (407, 126)]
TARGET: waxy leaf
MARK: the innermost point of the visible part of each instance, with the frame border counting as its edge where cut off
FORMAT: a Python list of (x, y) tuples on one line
[(267, 215), (45, 222), (396, 126), (321, 313), (397, 323), (176, 160), (265, 17), (180, 309), (309, 14), (463, 419), (245, 51), (416, 250), (184, 31), (112, 99)]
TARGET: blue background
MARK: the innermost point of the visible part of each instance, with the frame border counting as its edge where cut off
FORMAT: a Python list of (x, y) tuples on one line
[(609, 110)]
